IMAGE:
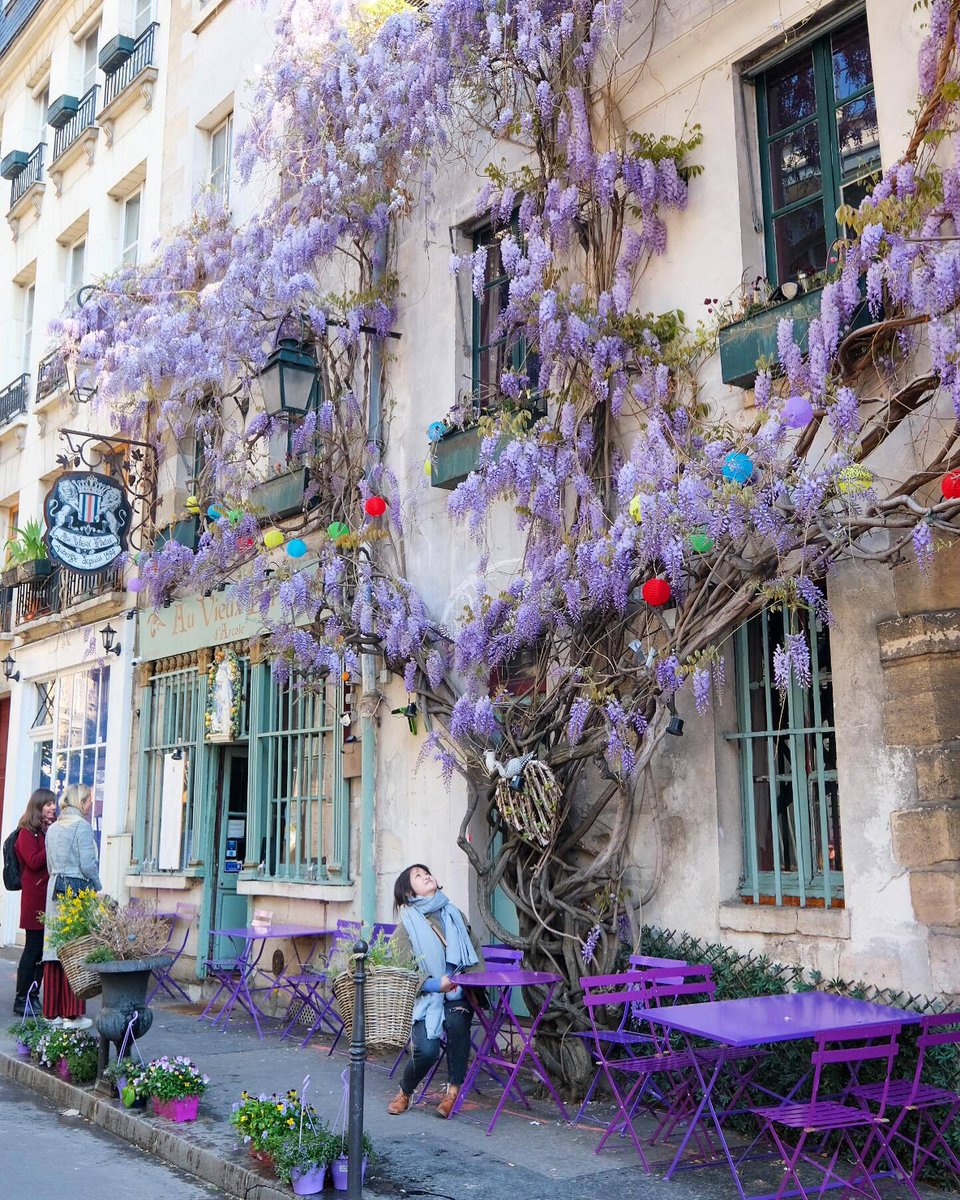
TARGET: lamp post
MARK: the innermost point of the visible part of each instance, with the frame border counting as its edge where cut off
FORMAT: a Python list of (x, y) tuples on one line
[(358, 1055)]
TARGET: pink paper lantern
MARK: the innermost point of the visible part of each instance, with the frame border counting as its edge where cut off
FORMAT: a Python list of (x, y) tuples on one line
[(135, 585)]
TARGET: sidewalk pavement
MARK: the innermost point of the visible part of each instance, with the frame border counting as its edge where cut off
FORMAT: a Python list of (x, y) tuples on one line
[(529, 1155)]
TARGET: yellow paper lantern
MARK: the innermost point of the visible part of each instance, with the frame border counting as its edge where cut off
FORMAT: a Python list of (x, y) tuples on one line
[(272, 539), (636, 509), (854, 479), (428, 468)]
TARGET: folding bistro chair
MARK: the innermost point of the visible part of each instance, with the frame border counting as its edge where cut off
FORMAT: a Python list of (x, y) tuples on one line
[(913, 1098), (821, 1119), (310, 994), (186, 913)]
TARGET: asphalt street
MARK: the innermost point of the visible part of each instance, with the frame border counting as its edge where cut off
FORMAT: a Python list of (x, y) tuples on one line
[(46, 1155)]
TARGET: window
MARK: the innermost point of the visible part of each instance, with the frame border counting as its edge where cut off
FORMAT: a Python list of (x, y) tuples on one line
[(494, 352), (88, 61), (76, 265), (71, 742), (29, 298), (130, 238), (221, 152), (142, 16), (819, 146), (40, 113), (791, 829)]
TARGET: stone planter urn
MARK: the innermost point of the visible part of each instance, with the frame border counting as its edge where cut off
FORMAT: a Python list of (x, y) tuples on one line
[(125, 983)]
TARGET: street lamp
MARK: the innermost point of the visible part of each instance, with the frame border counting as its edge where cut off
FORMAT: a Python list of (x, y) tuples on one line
[(9, 673), (108, 635), (290, 378), (81, 379)]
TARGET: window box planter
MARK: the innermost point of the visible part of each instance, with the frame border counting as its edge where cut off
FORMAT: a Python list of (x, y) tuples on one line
[(744, 343), (281, 496), (13, 163), (184, 532), (115, 53), (454, 456), (62, 111), (10, 577), (37, 568)]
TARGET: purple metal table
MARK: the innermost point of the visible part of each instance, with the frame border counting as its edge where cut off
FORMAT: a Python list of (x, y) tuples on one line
[(237, 982), (760, 1021), (499, 986)]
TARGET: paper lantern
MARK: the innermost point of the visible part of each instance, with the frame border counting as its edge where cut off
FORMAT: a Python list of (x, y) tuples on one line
[(244, 543), (854, 479), (272, 539), (337, 529), (428, 468), (797, 412), (737, 467), (656, 592), (234, 515), (435, 431), (701, 543), (636, 509), (193, 504), (375, 506), (135, 585), (296, 548), (214, 513), (950, 485)]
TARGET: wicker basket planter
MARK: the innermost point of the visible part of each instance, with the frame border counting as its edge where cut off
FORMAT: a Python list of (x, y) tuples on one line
[(84, 981), (388, 1004)]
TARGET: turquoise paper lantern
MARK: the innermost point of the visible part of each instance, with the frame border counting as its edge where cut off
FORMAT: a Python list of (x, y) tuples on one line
[(214, 513), (737, 467), (296, 548), (435, 431)]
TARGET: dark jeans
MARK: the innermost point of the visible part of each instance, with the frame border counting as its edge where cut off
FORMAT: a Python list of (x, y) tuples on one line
[(457, 1016), (30, 968)]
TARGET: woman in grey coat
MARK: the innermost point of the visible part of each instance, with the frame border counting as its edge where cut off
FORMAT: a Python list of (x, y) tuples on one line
[(71, 851)]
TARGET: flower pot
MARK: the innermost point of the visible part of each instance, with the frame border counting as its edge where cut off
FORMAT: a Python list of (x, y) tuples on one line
[(309, 1181), (36, 568), (23, 1049), (338, 1172), (261, 1156), (124, 984), (63, 1069), (183, 1109)]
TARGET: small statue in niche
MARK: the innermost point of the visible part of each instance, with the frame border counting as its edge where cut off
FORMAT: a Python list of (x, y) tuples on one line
[(223, 698)]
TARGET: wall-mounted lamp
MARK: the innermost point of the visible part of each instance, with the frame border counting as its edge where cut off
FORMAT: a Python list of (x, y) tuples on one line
[(110, 645), (675, 724), (11, 675)]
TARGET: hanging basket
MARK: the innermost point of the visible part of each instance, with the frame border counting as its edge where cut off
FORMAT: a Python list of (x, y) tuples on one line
[(532, 808), (388, 1004), (84, 981)]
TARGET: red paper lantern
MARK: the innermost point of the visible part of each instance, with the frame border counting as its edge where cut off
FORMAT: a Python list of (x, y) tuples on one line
[(656, 592), (375, 506), (950, 485)]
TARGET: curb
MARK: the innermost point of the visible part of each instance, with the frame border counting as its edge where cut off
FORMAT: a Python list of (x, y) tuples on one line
[(154, 1138)]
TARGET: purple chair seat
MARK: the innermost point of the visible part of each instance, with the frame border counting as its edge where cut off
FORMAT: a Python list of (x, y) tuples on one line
[(902, 1092), (819, 1115)]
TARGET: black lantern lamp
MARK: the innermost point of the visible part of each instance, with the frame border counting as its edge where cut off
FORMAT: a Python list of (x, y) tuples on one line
[(9, 663), (290, 378), (110, 644), (675, 724)]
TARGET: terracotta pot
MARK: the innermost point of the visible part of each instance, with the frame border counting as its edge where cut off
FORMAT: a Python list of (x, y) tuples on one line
[(261, 1156)]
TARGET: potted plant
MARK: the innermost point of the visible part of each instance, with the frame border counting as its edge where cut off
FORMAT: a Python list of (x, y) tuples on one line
[(339, 1163), (391, 989), (302, 1158), (27, 551), (174, 1085), (127, 945), (72, 1053), (122, 1073), (265, 1121), (27, 1032)]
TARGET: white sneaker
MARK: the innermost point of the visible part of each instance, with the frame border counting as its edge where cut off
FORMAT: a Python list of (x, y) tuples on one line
[(56, 1022), (78, 1023)]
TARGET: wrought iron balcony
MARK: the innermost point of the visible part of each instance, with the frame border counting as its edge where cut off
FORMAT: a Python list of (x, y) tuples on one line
[(60, 590), (51, 375), (13, 399), (32, 173), (139, 60), (82, 119)]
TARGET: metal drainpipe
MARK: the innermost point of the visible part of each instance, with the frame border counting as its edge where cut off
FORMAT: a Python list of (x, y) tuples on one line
[(369, 695)]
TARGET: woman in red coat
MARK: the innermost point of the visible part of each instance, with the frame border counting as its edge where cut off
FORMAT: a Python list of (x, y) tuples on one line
[(30, 850)]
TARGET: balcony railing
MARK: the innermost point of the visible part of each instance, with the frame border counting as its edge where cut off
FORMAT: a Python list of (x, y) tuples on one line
[(82, 119), (13, 399), (6, 609), (61, 589), (32, 173), (52, 374), (139, 60)]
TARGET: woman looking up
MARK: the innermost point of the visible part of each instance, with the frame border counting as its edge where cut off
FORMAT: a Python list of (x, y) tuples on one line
[(434, 933)]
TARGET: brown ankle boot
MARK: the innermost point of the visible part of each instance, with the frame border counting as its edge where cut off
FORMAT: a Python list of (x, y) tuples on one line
[(449, 1100), (399, 1104)]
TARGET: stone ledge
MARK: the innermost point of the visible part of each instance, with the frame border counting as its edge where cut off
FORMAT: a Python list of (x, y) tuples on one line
[(785, 919), (336, 893)]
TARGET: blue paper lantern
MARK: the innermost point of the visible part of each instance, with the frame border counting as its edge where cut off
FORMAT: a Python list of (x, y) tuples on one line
[(214, 513), (296, 548), (435, 431), (737, 466)]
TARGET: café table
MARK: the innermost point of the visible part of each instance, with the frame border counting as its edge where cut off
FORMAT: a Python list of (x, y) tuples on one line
[(500, 1018), (753, 1022), (251, 942)]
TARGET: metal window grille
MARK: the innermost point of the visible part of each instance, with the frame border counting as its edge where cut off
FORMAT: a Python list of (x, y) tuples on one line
[(299, 775), (788, 769)]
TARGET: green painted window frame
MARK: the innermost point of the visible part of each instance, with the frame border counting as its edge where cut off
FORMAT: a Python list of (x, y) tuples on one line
[(297, 769), (795, 730), (831, 197)]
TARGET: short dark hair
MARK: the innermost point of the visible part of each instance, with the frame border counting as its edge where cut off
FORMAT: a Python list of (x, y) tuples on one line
[(402, 890)]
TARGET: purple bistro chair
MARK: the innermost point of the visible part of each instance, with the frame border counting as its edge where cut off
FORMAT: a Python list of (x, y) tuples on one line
[(912, 1097), (818, 1117), (308, 990), (187, 913)]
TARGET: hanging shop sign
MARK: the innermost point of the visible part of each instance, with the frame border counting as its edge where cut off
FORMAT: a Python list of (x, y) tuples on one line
[(88, 521)]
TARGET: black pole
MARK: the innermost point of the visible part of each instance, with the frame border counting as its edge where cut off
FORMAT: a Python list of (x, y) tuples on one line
[(358, 1057)]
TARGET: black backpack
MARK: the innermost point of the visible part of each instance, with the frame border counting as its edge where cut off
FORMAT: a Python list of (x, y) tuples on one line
[(11, 864)]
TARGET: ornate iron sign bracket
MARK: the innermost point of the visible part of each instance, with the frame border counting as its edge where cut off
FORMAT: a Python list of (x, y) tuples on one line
[(132, 464)]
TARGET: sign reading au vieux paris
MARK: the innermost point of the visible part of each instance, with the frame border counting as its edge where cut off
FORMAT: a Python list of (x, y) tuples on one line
[(88, 519)]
